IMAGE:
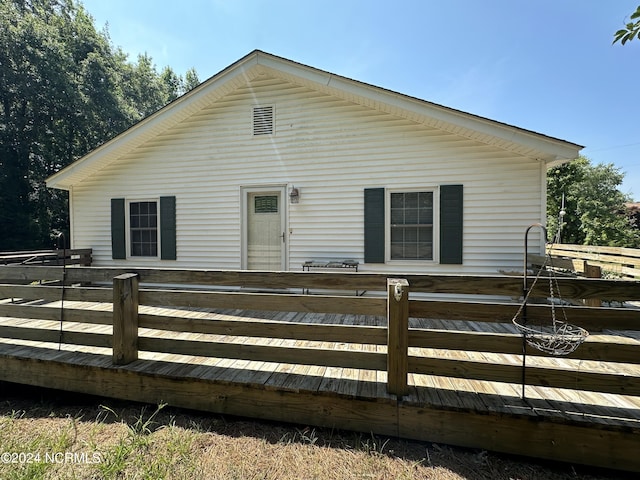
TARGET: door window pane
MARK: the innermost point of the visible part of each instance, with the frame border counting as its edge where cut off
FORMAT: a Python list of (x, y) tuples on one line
[(266, 204)]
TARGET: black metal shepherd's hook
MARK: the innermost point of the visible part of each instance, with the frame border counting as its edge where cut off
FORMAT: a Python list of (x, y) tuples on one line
[(61, 238), (525, 295)]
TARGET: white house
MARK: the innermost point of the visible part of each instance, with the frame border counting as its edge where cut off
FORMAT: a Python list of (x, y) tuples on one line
[(271, 163)]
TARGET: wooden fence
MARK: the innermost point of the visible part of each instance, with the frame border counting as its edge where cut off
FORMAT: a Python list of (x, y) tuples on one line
[(407, 348), (621, 262), (48, 257)]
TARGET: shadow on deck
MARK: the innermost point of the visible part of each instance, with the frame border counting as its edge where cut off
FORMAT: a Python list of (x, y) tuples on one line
[(450, 375)]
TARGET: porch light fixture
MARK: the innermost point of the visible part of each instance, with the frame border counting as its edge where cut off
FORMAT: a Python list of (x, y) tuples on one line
[(294, 195)]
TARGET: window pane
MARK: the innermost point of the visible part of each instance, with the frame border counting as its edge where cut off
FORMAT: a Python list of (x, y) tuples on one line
[(411, 200), (425, 251), (143, 222), (426, 207), (411, 226), (411, 216), (397, 234), (397, 200), (266, 204), (426, 199), (397, 216), (397, 252), (410, 251), (426, 217), (425, 234), (411, 234)]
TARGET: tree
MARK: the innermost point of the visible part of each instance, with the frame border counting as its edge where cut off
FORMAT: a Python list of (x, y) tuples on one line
[(32, 94), (630, 30), (64, 90), (191, 80), (595, 208)]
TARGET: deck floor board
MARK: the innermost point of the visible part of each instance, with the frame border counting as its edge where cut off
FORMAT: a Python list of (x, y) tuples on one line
[(452, 393)]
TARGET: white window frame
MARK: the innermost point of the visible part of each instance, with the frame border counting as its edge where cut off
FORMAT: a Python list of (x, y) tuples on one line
[(434, 190), (128, 236)]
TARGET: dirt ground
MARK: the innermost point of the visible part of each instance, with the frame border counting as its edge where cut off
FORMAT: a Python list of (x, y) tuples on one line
[(85, 437)]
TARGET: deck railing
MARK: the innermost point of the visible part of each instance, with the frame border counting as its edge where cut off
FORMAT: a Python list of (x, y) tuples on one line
[(77, 256), (398, 345), (594, 261)]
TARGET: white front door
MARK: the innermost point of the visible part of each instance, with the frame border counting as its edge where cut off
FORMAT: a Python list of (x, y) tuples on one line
[(265, 229)]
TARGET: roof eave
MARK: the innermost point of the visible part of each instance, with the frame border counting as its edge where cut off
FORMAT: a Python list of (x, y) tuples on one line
[(549, 149), (552, 151)]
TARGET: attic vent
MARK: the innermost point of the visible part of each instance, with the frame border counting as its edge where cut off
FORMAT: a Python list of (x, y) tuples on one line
[(263, 120)]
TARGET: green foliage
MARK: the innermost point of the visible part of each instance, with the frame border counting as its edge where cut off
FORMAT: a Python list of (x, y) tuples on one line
[(64, 90), (191, 80), (595, 208), (630, 30)]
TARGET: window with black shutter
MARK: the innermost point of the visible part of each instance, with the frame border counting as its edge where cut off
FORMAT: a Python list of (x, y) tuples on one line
[(145, 228), (409, 229)]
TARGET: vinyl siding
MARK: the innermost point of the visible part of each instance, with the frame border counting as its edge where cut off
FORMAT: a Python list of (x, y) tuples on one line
[(331, 150)]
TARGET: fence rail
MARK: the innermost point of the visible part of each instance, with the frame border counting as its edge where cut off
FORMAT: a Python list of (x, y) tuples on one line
[(494, 285), (393, 346), (623, 262), (48, 257)]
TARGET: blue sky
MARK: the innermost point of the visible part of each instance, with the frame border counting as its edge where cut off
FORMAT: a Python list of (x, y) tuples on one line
[(543, 65)]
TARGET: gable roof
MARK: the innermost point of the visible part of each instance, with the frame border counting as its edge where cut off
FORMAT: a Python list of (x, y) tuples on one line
[(508, 137)]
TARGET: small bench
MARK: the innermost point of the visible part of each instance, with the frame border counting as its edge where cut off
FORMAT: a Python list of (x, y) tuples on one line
[(309, 264), (336, 264)]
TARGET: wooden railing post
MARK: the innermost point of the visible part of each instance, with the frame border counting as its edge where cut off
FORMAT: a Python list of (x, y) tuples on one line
[(592, 271), (85, 258), (125, 318), (397, 336)]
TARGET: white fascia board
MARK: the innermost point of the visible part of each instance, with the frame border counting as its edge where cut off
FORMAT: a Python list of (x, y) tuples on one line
[(282, 66), (549, 149)]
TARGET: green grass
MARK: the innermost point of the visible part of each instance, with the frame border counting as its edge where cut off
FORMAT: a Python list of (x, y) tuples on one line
[(132, 441)]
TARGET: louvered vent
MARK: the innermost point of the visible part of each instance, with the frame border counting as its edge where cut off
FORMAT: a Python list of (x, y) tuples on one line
[(263, 120)]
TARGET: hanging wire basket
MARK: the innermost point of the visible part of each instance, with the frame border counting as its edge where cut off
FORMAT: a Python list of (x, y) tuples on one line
[(558, 337)]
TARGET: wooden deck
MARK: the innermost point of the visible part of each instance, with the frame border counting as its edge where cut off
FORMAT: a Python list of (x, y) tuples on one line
[(441, 391), (338, 380)]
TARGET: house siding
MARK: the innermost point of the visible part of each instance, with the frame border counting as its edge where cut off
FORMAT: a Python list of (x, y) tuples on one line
[(329, 148)]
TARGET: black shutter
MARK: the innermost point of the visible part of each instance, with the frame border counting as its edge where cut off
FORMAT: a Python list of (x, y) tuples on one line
[(451, 203), (118, 237), (374, 225), (168, 228)]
